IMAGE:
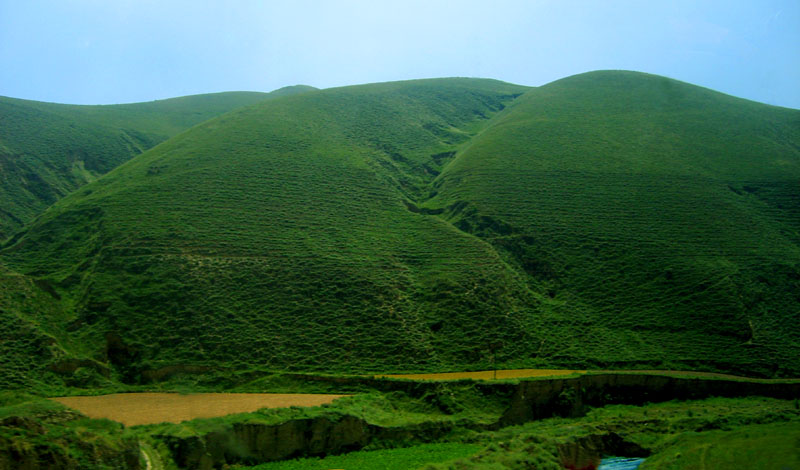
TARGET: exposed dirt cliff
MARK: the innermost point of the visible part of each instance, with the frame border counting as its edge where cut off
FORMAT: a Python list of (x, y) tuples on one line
[(250, 443)]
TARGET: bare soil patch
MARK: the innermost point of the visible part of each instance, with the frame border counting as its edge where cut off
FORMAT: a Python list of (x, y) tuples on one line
[(132, 409)]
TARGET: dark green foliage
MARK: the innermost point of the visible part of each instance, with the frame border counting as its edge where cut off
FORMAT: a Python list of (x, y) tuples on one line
[(755, 446), (666, 430), (48, 150), (739, 432), (43, 434), (388, 459), (32, 333), (611, 219), (42, 429)]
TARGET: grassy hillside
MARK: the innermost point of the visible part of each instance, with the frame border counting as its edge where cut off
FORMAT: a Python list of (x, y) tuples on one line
[(32, 328), (610, 219), (48, 150), (281, 235), (662, 218)]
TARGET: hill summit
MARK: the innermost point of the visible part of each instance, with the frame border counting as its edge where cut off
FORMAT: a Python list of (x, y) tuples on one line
[(48, 150), (610, 219)]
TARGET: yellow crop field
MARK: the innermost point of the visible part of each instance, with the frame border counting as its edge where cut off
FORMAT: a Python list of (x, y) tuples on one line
[(132, 409)]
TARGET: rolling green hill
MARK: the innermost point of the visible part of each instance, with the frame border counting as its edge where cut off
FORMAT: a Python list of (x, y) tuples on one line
[(48, 150), (612, 219), (664, 218)]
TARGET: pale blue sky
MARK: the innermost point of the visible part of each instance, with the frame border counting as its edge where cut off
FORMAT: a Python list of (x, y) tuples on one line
[(113, 51)]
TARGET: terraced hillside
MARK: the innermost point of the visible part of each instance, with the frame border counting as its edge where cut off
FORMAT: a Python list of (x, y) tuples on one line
[(663, 219), (48, 150), (610, 219), (281, 235)]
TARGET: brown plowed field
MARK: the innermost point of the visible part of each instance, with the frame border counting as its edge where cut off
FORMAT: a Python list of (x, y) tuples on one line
[(131, 409)]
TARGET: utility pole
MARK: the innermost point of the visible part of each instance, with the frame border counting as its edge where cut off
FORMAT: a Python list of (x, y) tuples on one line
[(493, 348)]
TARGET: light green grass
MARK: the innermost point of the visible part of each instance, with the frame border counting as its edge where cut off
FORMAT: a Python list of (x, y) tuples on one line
[(660, 220), (759, 446), (48, 150), (388, 459)]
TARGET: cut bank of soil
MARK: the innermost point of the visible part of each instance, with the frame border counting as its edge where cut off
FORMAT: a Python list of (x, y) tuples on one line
[(132, 409), (528, 373), (486, 374)]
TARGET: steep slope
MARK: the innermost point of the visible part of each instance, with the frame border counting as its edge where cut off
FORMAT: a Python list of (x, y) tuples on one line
[(48, 149), (610, 219), (35, 343), (663, 216), (286, 235)]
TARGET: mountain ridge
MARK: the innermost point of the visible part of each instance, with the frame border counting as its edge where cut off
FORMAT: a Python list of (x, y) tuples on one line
[(49, 149), (419, 225)]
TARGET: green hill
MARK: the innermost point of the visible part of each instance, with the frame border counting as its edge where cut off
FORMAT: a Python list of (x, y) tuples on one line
[(611, 219), (664, 218), (48, 150)]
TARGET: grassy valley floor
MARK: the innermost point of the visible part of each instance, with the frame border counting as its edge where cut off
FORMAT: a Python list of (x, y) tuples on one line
[(390, 423), (705, 434)]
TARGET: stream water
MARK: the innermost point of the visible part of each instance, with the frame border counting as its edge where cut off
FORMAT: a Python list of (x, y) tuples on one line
[(620, 463)]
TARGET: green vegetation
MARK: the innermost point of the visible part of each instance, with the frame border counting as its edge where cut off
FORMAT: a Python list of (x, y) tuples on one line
[(278, 235), (682, 430), (43, 434), (767, 446), (388, 459), (35, 340), (453, 404), (48, 150), (457, 418), (666, 429), (607, 220), (658, 222)]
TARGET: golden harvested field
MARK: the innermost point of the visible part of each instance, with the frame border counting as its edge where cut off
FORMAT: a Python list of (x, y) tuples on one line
[(131, 409), (486, 374)]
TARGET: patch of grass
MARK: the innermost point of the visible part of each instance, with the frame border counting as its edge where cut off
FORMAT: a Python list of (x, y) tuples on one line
[(668, 429), (387, 459), (38, 432), (767, 446)]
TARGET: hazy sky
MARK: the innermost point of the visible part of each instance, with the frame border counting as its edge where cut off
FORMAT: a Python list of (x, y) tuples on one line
[(113, 51)]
